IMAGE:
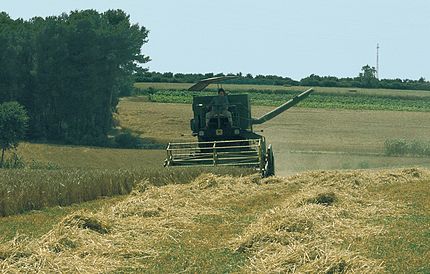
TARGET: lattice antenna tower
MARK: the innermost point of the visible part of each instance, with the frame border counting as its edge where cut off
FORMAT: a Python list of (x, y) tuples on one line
[(377, 61)]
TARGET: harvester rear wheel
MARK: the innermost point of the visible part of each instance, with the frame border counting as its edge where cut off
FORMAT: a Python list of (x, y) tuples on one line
[(269, 168)]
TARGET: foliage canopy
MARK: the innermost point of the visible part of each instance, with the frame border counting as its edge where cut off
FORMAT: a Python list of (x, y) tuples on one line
[(365, 79), (69, 70), (13, 124)]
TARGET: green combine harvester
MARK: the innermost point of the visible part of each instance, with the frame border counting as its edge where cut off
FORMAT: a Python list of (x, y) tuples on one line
[(224, 131)]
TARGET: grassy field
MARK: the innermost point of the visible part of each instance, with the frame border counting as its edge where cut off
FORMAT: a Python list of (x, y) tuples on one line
[(328, 98), (34, 224), (408, 233), (62, 156), (335, 139), (212, 223), (317, 222), (63, 175), (328, 90), (22, 190)]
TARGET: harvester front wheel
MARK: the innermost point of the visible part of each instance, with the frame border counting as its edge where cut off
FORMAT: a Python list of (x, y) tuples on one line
[(269, 169)]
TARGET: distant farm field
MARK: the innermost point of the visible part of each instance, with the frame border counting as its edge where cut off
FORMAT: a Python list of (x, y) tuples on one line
[(303, 138), (327, 98), (331, 90)]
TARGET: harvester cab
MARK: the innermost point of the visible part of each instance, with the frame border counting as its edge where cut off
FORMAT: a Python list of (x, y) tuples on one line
[(224, 129)]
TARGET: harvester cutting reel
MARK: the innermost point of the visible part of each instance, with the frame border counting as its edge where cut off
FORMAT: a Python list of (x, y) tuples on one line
[(249, 153)]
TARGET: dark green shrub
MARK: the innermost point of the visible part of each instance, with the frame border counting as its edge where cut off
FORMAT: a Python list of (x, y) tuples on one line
[(13, 125), (399, 147), (395, 147), (127, 139), (15, 161)]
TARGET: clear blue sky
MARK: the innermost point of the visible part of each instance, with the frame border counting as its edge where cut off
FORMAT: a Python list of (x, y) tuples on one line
[(287, 38)]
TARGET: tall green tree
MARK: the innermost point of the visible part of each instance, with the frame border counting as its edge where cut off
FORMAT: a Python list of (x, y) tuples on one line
[(368, 77), (13, 124), (69, 70), (14, 54)]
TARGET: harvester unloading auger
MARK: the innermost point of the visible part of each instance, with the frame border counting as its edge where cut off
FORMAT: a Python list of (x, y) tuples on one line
[(224, 133)]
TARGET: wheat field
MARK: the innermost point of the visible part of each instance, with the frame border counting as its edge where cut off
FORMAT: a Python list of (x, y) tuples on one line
[(316, 222)]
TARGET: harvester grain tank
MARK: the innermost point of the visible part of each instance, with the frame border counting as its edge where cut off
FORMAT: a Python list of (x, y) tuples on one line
[(224, 140)]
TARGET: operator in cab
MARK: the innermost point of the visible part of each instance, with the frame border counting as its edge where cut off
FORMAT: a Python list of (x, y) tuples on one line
[(219, 106)]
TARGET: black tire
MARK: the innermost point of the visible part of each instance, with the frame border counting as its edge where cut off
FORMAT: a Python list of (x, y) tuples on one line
[(269, 169)]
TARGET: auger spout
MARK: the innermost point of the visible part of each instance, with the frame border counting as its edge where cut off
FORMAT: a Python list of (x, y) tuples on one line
[(290, 103)]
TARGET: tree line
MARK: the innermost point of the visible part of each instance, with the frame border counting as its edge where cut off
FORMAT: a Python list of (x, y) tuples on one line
[(365, 79), (68, 71)]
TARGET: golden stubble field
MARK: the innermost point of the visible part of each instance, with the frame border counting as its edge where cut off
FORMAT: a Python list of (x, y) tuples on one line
[(303, 139), (315, 222)]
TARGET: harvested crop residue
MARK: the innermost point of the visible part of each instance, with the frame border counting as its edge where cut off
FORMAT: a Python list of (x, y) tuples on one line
[(308, 223)]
